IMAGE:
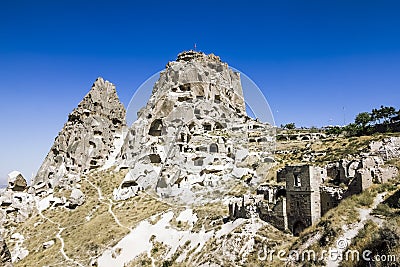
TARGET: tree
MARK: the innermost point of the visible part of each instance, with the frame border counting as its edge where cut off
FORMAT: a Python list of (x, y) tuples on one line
[(289, 126), (387, 113), (376, 115), (363, 119), (335, 130), (396, 117), (352, 129)]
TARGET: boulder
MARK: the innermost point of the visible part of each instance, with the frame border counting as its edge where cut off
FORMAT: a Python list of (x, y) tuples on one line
[(16, 181), (19, 251), (76, 198)]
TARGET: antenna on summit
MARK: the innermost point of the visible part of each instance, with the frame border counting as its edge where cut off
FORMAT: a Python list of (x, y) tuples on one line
[(195, 46)]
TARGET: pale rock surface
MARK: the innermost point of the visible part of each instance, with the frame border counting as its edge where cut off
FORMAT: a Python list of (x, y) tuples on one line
[(48, 244), (16, 203), (388, 148), (19, 252), (17, 206)]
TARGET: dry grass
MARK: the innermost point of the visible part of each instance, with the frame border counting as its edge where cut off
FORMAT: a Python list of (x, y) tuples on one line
[(334, 148), (37, 231), (210, 216), (86, 239), (383, 241), (136, 209)]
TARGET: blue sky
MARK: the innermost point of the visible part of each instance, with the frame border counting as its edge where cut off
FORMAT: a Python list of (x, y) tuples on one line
[(317, 62)]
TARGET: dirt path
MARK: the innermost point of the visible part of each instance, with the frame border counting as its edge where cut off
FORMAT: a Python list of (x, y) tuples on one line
[(109, 204), (351, 231), (58, 236)]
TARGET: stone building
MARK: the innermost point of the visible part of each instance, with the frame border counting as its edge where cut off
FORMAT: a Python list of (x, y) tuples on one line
[(304, 192), (311, 191), (298, 204), (303, 200), (237, 210), (330, 197)]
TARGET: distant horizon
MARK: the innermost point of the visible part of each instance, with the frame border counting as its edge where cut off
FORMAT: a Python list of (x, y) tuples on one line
[(317, 63)]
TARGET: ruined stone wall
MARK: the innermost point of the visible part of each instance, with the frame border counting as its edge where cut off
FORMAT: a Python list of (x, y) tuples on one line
[(275, 215), (281, 175), (306, 136), (330, 197), (239, 209), (315, 183)]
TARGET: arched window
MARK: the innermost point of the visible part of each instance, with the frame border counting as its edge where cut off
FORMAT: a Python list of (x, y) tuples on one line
[(213, 148)]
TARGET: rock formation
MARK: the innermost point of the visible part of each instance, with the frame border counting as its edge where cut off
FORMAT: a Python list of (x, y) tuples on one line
[(388, 148), (16, 182), (86, 141), (16, 204), (193, 132)]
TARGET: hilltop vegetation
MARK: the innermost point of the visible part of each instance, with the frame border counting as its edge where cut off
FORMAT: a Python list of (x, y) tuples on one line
[(382, 120)]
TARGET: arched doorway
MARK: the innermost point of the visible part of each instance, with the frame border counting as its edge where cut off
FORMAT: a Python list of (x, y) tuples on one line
[(213, 148), (298, 227), (156, 128)]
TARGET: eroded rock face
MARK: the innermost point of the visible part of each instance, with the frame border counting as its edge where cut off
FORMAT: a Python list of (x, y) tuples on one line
[(86, 141), (388, 148), (186, 137), (15, 206)]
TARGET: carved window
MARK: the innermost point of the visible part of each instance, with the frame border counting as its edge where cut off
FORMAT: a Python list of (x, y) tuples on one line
[(297, 180), (207, 127), (198, 162)]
